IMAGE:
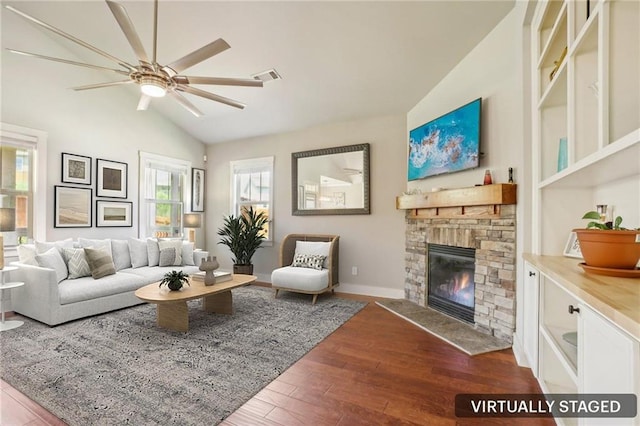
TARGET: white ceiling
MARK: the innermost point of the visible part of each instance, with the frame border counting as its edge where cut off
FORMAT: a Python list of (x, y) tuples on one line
[(338, 60)]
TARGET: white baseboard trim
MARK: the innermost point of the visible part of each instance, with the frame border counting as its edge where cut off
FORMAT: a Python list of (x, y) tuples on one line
[(518, 352), (367, 290)]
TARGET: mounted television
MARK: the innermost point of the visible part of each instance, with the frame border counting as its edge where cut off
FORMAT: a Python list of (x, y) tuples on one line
[(448, 144)]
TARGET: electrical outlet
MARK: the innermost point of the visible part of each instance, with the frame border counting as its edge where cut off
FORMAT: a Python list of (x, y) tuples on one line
[(354, 270)]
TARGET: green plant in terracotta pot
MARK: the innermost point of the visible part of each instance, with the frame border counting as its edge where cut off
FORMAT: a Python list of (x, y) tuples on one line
[(608, 244), (174, 280)]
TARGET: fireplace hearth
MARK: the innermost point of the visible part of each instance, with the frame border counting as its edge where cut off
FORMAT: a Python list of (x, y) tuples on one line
[(451, 287)]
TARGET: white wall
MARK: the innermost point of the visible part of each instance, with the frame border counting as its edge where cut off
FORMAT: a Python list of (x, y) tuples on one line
[(374, 243), (101, 123)]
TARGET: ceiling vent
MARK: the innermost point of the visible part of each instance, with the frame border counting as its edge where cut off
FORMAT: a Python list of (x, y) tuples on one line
[(268, 75)]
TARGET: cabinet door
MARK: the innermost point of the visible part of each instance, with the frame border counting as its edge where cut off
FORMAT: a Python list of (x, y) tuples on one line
[(530, 316), (608, 360)]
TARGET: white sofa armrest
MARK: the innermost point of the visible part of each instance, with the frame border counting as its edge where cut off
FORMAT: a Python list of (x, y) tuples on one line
[(39, 293)]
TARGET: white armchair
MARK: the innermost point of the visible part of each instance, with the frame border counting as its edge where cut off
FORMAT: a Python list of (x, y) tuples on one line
[(301, 270)]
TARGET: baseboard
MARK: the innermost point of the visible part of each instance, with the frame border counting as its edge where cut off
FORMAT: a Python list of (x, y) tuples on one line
[(518, 352), (367, 290)]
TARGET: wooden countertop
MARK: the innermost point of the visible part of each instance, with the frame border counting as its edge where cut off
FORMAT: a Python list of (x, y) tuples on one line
[(617, 299)]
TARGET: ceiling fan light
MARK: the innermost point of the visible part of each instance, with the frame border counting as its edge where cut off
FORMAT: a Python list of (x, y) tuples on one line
[(153, 86)]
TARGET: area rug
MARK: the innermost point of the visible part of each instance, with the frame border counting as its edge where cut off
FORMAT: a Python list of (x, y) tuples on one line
[(461, 335), (120, 368)]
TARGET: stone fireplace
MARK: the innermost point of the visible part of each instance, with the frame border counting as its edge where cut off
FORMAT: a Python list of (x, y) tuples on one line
[(487, 225)]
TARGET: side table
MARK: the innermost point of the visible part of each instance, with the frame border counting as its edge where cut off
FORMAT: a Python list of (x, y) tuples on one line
[(8, 325)]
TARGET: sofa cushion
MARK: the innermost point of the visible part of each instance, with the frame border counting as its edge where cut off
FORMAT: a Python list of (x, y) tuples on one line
[(187, 253), (153, 251), (120, 254), (170, 246), (43, 246), (52, 259), (27, 254), (95, 244), (313, 261), (300, 278), (87, 288), (76, 263), (155, 273), (314, 247), (138, 252), (100, 262)]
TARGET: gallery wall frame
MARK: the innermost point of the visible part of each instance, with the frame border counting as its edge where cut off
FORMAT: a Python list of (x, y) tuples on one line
[(197, 190), (72, 207), (76, 169), (111, 178), (113, 213)]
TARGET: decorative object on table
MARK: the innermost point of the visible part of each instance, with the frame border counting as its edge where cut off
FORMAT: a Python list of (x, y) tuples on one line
[(113, 213), (607, 245), (197, 190), (7, 224), (76, 169), (72, 207), (220, 276), (563, 159), (557, 64), (243, 234), (487, 178), (208, 265), (572, 248), (175, 280), (111, 179), (192, 221)]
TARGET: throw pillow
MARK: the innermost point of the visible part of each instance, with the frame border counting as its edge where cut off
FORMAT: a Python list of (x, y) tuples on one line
[(52, 259), (314, 247), (27, 254), (120, 253), (138, 252), (167, 257), (174, 244), (187, 253), (100, 262), (95, 244), (153, 251), (76, 263), (313, 261), (43, 246)]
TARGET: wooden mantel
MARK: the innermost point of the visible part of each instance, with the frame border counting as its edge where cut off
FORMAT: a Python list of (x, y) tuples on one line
[(475, 201)]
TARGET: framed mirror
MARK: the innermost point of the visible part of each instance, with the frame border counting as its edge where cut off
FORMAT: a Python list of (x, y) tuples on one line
[(330, 181)]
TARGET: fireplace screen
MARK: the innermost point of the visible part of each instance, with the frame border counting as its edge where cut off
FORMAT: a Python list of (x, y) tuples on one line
[(451, 287)]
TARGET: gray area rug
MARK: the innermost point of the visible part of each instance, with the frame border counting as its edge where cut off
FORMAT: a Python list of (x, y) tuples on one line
[(461, 335), (120, 368)]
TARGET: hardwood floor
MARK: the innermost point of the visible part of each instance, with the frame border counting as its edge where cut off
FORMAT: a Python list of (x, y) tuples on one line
[(377, 369)]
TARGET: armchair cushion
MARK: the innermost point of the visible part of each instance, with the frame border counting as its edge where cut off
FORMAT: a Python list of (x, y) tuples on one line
[(305, 279), (313, 261), (314, 247)]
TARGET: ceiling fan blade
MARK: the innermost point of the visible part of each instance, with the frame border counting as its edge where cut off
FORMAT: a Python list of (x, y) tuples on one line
[(72, 38), (211, 96), (120, 13), (197, 56), (66, 61), (219, 81), (144, 102), (101, 85), (185, 103)]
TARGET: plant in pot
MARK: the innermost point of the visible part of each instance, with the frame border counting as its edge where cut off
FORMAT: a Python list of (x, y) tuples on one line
[(243, 234), (174, 280), (607, 244)]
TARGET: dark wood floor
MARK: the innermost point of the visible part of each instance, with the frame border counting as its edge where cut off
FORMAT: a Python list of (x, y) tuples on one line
[(376, 369)]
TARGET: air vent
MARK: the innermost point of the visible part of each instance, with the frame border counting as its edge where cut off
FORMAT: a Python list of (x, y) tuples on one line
[(268, 75)]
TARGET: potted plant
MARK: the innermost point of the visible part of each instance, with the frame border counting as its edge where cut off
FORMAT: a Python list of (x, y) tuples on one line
[(243, 234), (174, 280), (607, 244)]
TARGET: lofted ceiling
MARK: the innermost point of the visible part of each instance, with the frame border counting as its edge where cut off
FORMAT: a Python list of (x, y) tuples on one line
[(338, 60)]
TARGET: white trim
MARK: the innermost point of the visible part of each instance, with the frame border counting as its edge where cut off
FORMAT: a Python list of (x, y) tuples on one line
[(367, 290), (39, 138)]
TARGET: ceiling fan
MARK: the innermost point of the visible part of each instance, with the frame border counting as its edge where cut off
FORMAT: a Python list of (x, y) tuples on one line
[(155, 80)]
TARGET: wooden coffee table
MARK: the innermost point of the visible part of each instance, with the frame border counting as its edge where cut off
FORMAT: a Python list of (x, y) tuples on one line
[(173, 312)]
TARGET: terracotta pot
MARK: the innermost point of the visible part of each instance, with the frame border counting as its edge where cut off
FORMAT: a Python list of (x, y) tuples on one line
[(243, 269), (609, 249)]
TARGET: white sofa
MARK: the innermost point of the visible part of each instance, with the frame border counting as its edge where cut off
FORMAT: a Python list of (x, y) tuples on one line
[(48, 299)]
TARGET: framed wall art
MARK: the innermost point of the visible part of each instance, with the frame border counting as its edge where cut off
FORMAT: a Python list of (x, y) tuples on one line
[(72, 207), (197, 190), (572, 248), (111, 179), (113, 213), (76, 169)]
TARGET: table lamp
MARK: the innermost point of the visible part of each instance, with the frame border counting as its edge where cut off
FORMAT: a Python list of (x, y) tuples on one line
[(7, 224), (192, 221)]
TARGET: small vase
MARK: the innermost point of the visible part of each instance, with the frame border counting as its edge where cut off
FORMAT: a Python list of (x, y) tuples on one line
[(209, 265)]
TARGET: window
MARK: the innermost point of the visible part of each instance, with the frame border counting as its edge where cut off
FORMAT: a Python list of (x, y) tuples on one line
[(20, 176), (251, 186), (163, 181)]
